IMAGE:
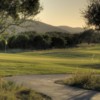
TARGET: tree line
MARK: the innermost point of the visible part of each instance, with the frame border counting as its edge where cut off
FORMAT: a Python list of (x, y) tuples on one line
[(49, 40)]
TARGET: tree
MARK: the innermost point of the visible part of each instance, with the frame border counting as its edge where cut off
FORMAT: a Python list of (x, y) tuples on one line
[(20, 41), (14, 12), (87, 36), (4, 37), (92, 14), (47, 40), (58, 42), (2, 45), (11, 42), (39, 42)]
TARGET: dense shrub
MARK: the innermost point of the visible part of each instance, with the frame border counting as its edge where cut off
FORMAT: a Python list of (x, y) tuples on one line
[(39, 42), (84, 80), (20, 41), (57, 42), (33, 40), (89, 36), (11, 42), (2, 45), (47, 41)]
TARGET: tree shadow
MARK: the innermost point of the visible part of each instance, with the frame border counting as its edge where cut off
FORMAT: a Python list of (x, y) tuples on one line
[(94, 66), (83, 94)]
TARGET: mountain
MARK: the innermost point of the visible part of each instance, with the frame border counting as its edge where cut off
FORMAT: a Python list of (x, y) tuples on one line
[(41, 27), (37, 26), (71, 29)]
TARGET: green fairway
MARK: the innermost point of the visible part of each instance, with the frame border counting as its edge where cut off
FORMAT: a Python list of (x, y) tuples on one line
[(56, 61)]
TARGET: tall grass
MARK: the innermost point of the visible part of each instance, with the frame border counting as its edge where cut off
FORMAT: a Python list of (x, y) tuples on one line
[(10, 91), (85, 80)]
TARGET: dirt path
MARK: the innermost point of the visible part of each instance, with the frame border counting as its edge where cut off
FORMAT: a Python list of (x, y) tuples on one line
[(45, 84)]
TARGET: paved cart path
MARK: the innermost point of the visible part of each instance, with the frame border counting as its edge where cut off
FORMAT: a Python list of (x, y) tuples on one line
[(46, 84)]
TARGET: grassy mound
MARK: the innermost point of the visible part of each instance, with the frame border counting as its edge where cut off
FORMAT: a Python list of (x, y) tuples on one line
[(84, 80), (9, 91)]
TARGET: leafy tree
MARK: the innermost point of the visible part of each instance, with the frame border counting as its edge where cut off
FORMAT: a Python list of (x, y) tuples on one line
[(87, 36), (47, 40), (4, 37), (58, 42), (72, 40), (11, 42), (31, 36), (20, 41), (2, 44), (14, 12), (92, 14), (96, 37), (39, 42)]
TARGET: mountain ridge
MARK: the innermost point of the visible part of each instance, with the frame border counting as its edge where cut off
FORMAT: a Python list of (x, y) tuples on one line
[(72, 29), (39, 27)]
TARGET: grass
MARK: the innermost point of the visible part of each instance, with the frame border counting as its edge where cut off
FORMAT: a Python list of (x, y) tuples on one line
[(84, 80), (9, 91), (58, 61)]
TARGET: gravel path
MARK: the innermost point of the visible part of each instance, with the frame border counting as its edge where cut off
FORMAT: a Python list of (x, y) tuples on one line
[(45, 84)]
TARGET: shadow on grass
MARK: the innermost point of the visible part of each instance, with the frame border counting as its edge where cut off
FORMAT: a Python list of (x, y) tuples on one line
[(15, 51), (81, 94), (94, 66), (91, 66), (75, 93), (68, 54), (86, 95)]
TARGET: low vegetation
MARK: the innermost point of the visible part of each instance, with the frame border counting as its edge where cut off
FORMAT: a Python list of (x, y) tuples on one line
[(50, 40), (84, 80), (9, 91)]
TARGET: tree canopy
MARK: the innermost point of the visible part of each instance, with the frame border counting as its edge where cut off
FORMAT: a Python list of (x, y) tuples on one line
[(92, 14), (16, 11)]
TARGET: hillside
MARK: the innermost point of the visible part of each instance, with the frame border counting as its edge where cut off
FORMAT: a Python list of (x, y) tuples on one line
[(41, 27), (37, 26), (71, 29)]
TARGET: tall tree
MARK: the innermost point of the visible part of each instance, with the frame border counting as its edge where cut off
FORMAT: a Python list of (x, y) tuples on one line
[(92, 14), (14, 12)]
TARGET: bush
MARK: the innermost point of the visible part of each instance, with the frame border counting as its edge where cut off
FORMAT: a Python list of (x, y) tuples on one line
[(87, 36), (84, 80), (11, 42), (2, 45), (47, 39), (40, 43), (20, 41), (31, 36), (57, 42), (33, 40)]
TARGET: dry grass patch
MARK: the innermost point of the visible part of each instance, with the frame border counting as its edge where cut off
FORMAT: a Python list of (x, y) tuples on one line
[(10, 91), (85, 80)]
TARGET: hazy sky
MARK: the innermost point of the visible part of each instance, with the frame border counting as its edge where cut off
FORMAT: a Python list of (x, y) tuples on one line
[(63, 12)]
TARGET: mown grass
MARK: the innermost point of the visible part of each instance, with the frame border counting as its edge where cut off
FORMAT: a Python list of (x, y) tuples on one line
[(10, 91), (57, 61)]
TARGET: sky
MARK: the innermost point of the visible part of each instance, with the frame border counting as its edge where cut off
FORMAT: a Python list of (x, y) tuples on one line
[(62, 12)]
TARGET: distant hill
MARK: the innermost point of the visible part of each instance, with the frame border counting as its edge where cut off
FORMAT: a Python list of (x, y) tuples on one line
[(37, 26), (71, 29), (41, 27)]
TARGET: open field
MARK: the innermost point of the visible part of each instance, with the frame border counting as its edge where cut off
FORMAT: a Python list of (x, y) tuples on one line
[(56, 61)]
